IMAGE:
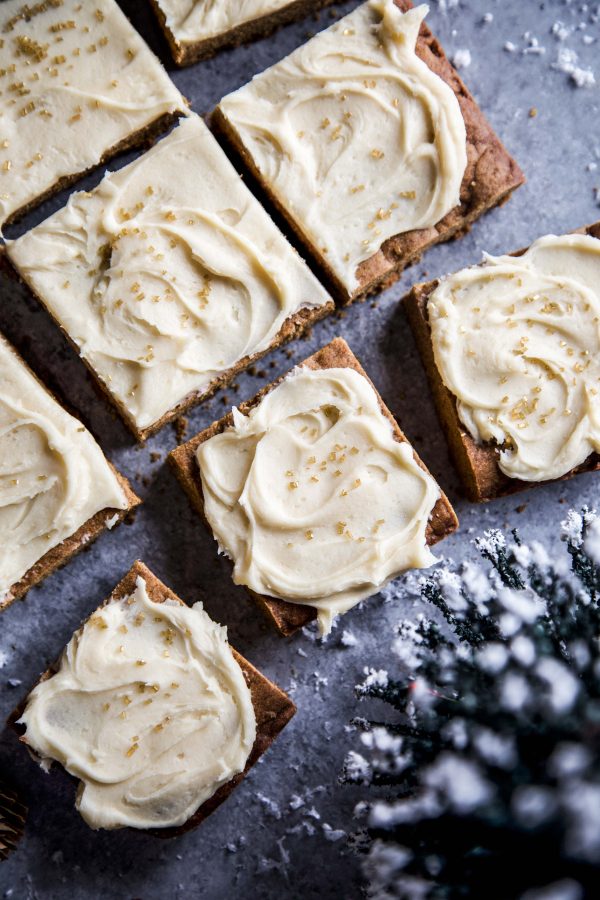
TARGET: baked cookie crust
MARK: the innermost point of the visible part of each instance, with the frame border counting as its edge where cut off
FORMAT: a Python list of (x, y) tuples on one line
[(86, 534), (289, 617), (491, 175), (272, 707), (80, 293), (79, 85), (184, 54), (477, 464)]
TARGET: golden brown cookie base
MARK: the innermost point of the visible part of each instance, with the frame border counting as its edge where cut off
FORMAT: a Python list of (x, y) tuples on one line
[(273, 708), (146, 135), (286, 616), (477, 464), (60, 555), (186, 54), (12, 820), (293, 328), (490, 177)]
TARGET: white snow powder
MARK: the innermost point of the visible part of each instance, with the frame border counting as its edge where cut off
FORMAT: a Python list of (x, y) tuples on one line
[(462, 58)]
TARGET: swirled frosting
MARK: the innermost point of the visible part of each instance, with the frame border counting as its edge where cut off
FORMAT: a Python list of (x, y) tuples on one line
[(517, 341), (76, 79), (191, 21), (167, 274), (355, 135), (313, 498), (53, 475), (149, 709)]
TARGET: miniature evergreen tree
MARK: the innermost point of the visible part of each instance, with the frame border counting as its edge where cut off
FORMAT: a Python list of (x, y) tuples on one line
[(489, 761)]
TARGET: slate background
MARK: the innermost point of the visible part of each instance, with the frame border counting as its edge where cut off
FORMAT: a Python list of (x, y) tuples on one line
[(255, 845)]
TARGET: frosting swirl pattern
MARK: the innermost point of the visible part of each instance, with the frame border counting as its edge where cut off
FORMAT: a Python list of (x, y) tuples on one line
[(149, 709), (76, 79), (53, 475), (311, 496), (517, 341), (355, 135), (165, 282)]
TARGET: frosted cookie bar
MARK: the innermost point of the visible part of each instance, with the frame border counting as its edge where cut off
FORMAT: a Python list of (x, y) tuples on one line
[(58, 491), (530, 411), (314, 492), (370, 145), (152, 711), (169, 277), (77, 84), (196, 29)]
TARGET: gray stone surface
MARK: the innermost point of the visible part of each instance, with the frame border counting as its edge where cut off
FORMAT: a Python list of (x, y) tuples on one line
[(255, 845)]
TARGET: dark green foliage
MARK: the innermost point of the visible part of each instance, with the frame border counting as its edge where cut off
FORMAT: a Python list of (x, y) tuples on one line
[(490, 755)]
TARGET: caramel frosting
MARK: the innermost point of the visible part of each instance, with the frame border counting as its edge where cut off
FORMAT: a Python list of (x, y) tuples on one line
[(191, 21), (76, 79), (53, 475), (149, 709), (167, 274), (355, 135), (517, 341), (312, 497)]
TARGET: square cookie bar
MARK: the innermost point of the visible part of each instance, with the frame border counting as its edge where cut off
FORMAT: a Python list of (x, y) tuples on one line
[(152, 710), (169, 278), (196, 29), (314, 492), (511, 350), (77, 85), (370, 145), (58, 491)]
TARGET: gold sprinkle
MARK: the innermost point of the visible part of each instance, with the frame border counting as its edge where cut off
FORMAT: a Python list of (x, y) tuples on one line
[(377, 154), (30, 47), (293, 485), (308, 534), (132, 749)]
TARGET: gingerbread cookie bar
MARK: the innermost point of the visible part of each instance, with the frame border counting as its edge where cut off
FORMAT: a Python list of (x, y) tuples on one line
[(313, 491), (169, 278), (525, 412), (197, 29), (152, 710), (370, 145), (77, 85), (58, 492)]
